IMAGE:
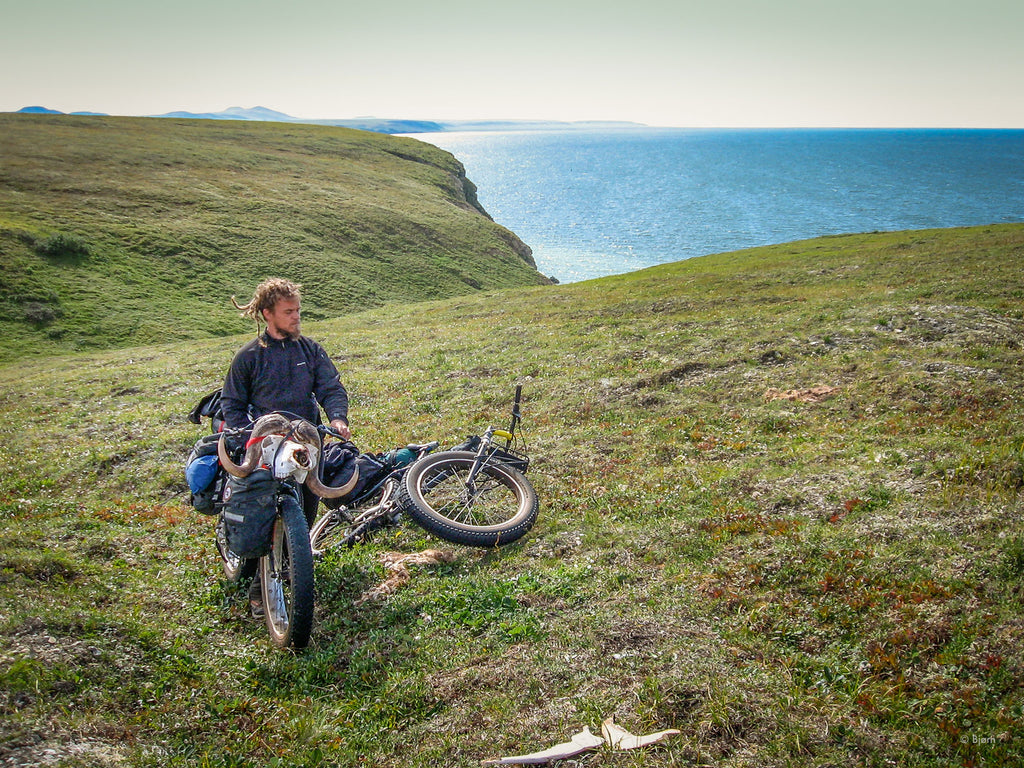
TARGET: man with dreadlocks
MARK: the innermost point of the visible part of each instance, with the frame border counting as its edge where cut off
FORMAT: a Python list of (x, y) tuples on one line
[(282, 370)]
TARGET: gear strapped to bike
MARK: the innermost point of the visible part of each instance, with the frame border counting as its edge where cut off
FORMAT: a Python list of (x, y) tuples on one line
[(475, 494)]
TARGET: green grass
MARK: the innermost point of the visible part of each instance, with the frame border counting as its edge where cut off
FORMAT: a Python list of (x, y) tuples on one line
[(127, 231), (787, 583)]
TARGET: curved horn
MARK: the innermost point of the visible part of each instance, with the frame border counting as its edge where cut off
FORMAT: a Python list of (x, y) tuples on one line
[(252, 458), (271, 424), (306, 432), (329, 491)]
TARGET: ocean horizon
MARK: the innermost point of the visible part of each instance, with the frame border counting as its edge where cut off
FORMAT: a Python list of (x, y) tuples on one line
[(603, 202)]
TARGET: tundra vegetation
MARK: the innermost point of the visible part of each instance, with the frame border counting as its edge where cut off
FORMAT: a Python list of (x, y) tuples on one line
[(781, 511)]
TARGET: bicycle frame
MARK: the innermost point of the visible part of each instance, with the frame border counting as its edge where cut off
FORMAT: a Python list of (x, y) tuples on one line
[(363, 522), (383, 512)]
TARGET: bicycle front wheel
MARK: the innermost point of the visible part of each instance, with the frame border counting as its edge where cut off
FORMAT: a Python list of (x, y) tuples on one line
[(498, 507), (286, 574)]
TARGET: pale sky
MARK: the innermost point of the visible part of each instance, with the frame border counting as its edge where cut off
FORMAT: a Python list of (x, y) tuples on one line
[(702, 63)]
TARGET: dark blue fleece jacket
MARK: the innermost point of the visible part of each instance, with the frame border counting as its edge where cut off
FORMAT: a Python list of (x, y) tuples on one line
[(268, 374)]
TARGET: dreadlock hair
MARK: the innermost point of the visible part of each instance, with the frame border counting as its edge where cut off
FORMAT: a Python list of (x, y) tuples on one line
[(266, 295)]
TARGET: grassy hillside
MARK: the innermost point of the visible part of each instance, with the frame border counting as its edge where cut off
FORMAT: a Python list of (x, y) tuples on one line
[(830, 581), (118, 231)]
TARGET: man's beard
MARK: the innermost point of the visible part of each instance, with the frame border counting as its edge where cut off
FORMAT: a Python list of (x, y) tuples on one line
[(285, 333)]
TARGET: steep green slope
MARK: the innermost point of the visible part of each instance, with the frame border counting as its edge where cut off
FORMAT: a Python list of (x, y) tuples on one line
[(118, 231), (836, 580)]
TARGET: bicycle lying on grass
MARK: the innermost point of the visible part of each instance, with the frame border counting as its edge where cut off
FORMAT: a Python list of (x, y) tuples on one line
[(476, 495)]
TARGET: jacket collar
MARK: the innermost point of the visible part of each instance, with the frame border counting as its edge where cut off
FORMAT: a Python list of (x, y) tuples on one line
[(266, 340)]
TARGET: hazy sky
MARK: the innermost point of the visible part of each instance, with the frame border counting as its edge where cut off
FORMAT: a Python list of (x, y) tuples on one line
[(661, 62)]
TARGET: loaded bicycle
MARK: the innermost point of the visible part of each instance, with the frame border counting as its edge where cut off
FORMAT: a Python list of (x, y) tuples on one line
[(475, 494)]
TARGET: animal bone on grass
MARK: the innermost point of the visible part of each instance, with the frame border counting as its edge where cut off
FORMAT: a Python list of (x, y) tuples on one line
[(613, 735)]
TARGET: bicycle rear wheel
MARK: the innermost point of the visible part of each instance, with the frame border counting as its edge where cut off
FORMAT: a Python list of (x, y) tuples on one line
[(236, 569), (286, 574), (497, 508), (331, 530)]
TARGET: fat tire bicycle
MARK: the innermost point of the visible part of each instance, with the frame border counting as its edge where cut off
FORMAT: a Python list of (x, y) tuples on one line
[(475, 495)]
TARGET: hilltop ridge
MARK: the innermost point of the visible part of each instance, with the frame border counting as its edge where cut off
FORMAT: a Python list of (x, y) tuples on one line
[(118, 231), (375, 124)]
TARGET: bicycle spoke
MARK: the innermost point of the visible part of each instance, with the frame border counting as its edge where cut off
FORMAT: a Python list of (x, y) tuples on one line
[(483, 504)]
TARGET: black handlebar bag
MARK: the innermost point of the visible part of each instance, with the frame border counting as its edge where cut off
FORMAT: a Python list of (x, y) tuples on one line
[(250, 506), (340, 461)]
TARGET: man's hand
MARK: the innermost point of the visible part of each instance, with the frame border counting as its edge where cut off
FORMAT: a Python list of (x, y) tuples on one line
[(339, 426)]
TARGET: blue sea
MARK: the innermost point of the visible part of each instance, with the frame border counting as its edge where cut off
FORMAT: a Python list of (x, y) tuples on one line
[(596, 203)]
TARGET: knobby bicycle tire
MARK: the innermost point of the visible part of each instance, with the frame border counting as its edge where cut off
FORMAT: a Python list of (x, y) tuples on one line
[(500, 508), (286, 574)]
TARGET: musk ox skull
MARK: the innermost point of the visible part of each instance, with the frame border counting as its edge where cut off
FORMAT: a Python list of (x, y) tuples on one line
[(302, 448)]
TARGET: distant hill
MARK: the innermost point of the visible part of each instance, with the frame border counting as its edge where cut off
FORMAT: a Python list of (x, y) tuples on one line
[(118, 231), (47, 111), (387, 125), (376, 124), (39, 111)]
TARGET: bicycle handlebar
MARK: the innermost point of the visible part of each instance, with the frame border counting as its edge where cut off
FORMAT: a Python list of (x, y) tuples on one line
[(328, 430)]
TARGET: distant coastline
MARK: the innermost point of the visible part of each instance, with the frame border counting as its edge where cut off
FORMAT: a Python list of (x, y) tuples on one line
[(374, 124), (598, 203)]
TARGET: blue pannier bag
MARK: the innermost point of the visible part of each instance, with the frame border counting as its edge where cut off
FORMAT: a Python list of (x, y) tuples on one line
[(200, 472), (204, 475)]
